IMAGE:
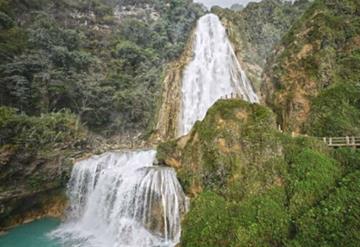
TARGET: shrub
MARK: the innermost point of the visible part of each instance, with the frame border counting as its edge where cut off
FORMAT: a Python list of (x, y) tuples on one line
[(311, 176), (335, 221), (209, 222)]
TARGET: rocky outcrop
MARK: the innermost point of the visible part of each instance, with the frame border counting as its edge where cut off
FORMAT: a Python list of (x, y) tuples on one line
[(235, 139), (20, 207), (33, 184), (168, 115)]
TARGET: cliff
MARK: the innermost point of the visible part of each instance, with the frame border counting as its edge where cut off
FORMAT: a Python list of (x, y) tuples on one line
[(312, 80), (168, 114)]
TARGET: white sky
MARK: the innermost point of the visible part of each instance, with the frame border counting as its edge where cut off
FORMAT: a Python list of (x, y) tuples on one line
[(224, 3)]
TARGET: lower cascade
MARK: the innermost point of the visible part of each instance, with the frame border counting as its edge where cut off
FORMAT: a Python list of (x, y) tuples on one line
[(121, 199)]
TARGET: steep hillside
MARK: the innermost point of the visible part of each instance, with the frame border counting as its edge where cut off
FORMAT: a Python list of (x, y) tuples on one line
[(103, 60), (256, 29), (254, 186), (312, 81)]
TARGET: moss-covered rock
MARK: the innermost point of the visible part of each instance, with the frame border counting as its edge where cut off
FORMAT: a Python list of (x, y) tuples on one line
[(209, 223), (227, 151), (311, 176)]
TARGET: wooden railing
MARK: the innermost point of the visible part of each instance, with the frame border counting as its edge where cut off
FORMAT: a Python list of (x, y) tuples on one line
[(348, 141)]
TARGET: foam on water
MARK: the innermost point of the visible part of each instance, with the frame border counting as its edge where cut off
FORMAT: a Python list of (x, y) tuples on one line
[(122, 200)]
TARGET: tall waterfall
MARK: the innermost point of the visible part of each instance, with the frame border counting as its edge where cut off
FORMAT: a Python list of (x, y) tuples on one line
[(213, 73), (121, 199)]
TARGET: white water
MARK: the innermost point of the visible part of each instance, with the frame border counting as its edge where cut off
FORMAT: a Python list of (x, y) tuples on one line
[(121, 199), (213, 73)]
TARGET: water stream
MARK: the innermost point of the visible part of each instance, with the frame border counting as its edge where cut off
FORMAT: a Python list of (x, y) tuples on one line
[(213, 73)]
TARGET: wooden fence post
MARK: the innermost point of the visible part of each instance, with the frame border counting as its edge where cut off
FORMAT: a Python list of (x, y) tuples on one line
[(353, 141)]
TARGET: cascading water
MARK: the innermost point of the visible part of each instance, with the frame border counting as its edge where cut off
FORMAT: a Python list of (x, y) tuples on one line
[(213, 73), (121, 199)]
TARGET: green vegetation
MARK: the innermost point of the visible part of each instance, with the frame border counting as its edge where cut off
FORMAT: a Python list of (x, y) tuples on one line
[(311, 175), (79, 55), (313, 78), (335, 220), (209, 216), (336, 111), (254, 186), (39, 132), (37, 140)]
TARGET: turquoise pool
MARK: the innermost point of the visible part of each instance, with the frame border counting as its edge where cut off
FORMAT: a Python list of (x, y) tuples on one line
[(31, 235)]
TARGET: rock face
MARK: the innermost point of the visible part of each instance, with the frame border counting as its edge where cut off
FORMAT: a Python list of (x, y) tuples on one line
[(33, 190), (168, 116), (312, 60)]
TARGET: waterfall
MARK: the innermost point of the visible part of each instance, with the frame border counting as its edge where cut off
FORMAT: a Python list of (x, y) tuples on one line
[(213, 73), (121, 199)]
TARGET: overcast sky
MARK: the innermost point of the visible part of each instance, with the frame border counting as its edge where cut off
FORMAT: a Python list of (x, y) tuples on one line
[(224, 3)]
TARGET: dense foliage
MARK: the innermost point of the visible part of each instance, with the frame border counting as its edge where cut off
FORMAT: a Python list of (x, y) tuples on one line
[(37, 133), (102, 61), (312, 81)]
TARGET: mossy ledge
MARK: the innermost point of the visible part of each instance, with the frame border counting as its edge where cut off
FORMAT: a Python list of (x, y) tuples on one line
[(252, 185)]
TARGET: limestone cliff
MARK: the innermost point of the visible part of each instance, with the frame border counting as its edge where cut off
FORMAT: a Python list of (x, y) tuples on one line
[(167, 118)]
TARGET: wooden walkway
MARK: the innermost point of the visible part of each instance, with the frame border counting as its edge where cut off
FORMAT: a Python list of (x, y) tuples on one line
[(348, 141)]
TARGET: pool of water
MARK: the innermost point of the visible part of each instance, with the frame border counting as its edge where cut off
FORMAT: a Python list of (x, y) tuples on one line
[(31, 235)]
